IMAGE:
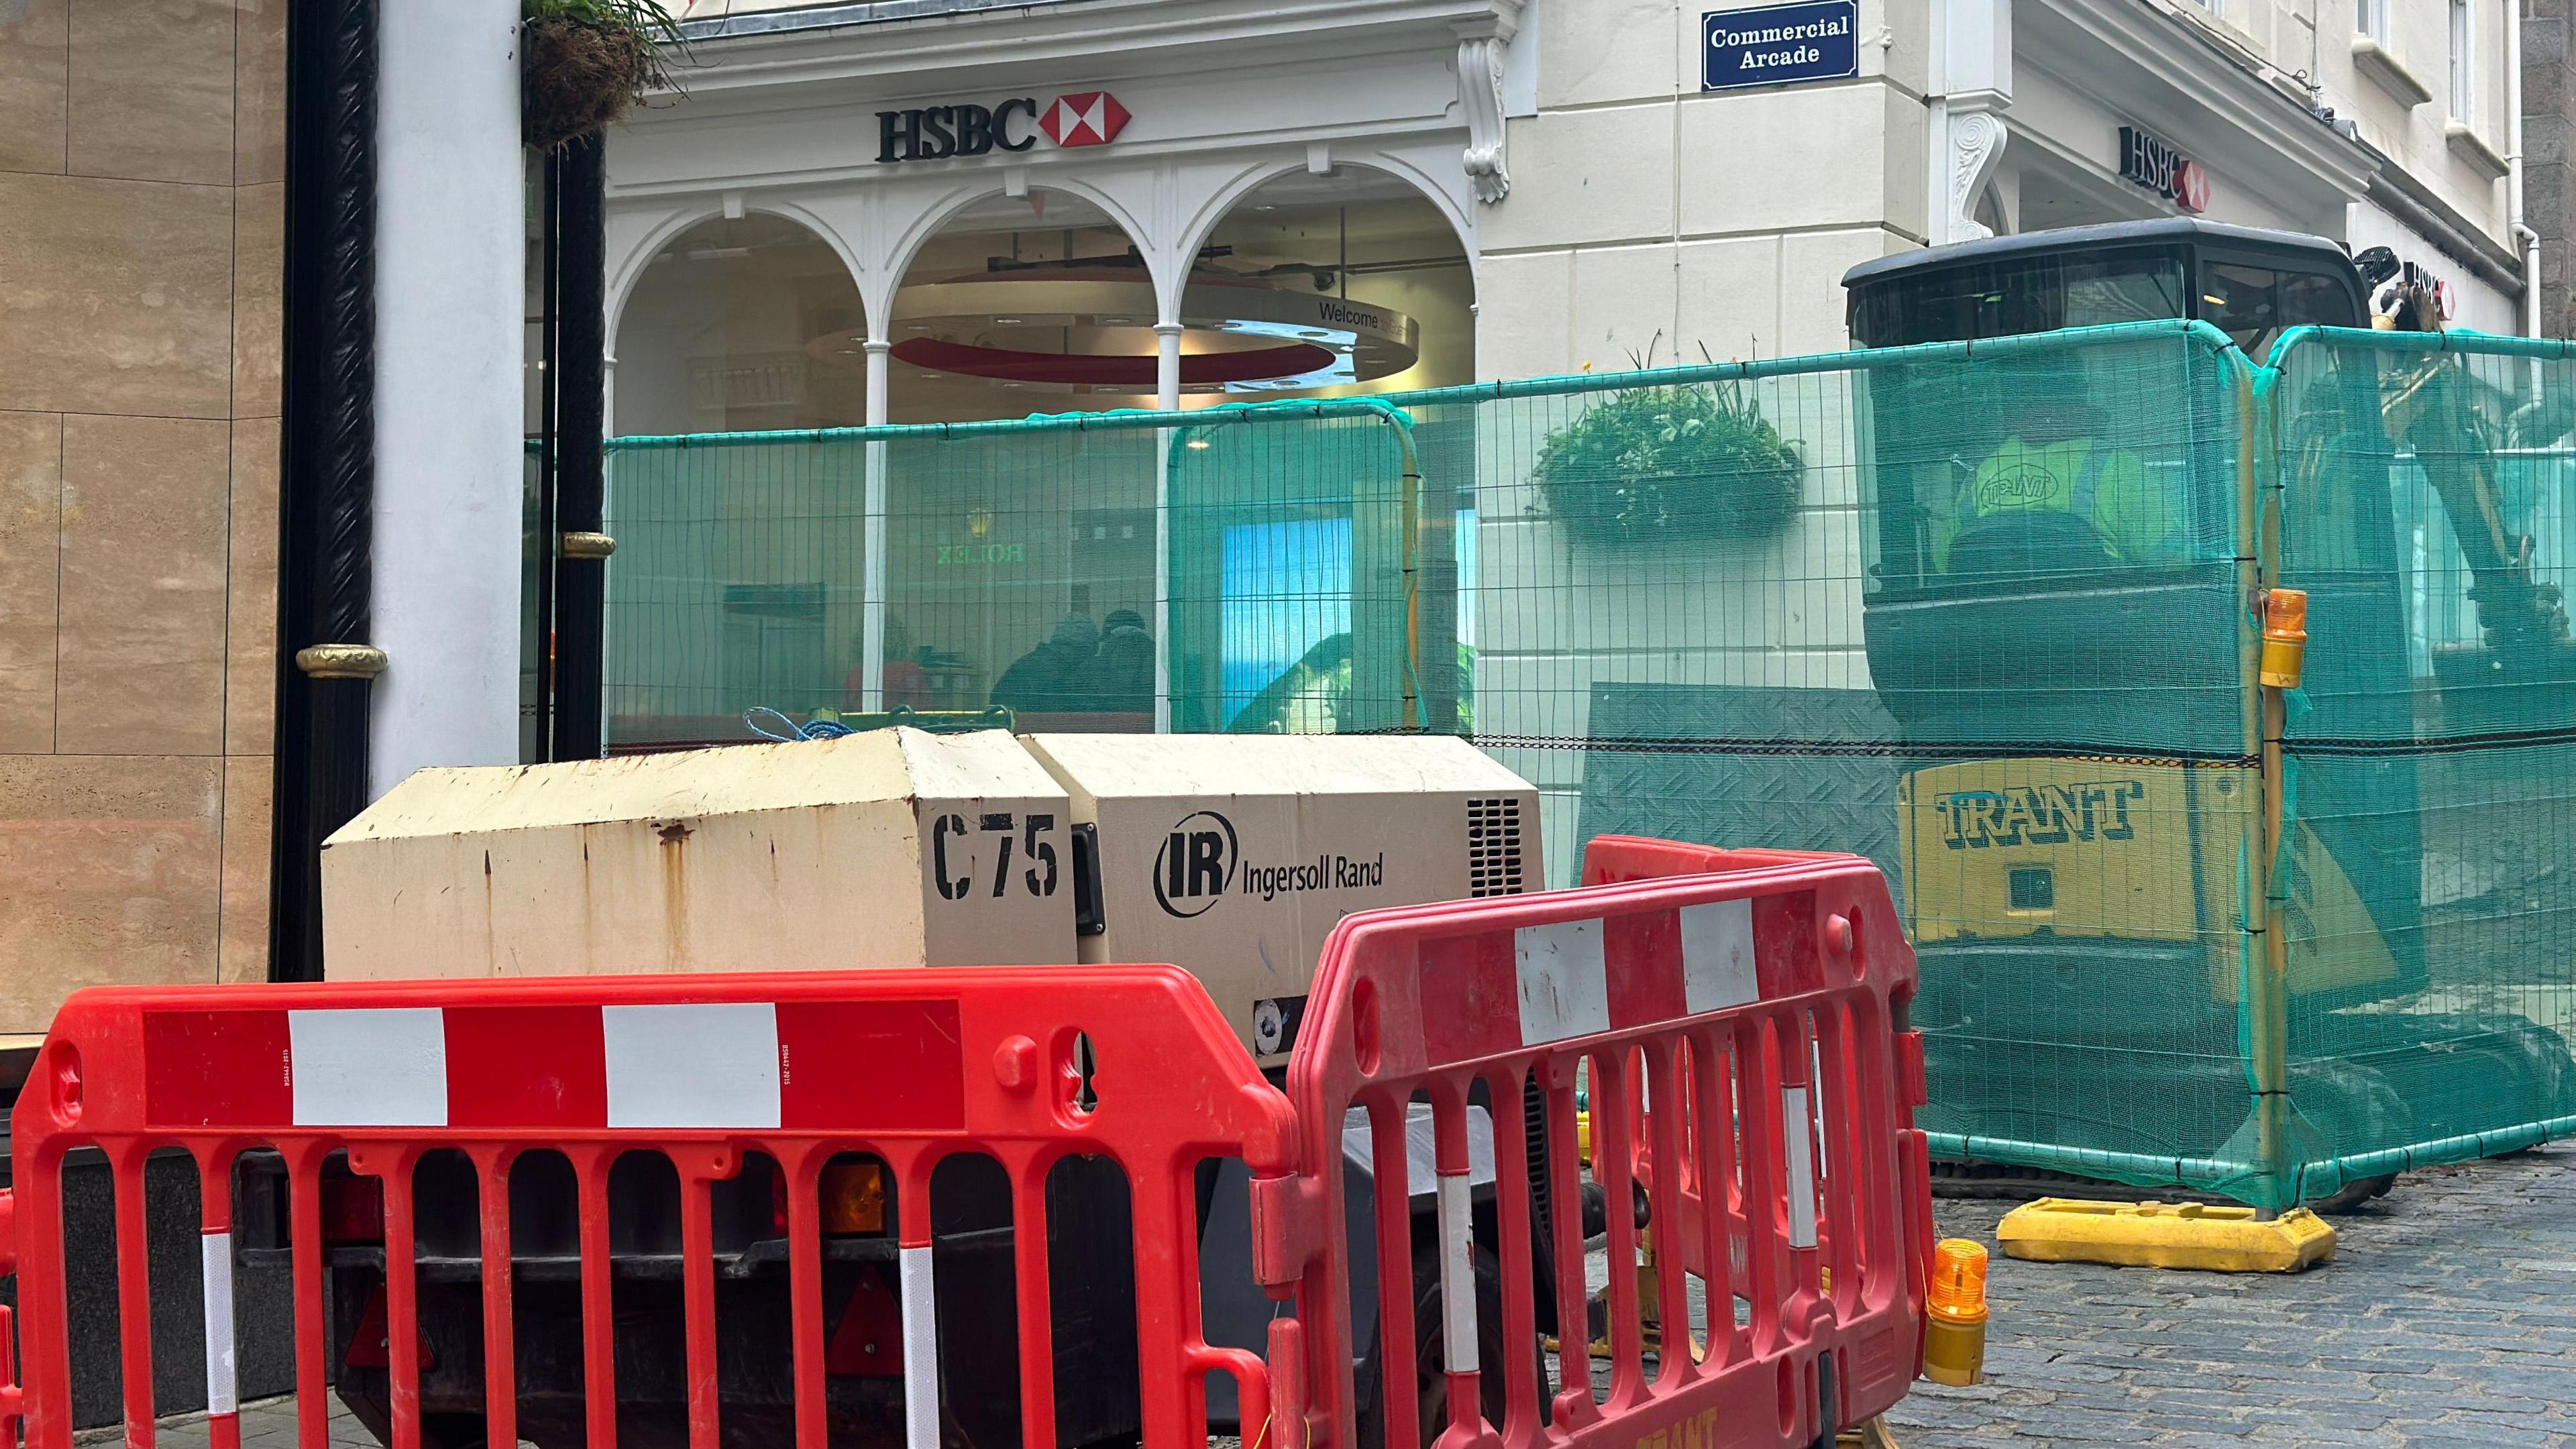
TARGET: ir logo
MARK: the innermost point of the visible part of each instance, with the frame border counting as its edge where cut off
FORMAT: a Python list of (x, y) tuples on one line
[(1196, 865)]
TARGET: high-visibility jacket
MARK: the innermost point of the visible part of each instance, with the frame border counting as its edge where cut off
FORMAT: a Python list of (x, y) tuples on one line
[(2105, 487)]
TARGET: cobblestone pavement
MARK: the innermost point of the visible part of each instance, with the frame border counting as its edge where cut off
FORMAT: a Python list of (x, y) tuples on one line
[(2446, 1321), (267, 1424), (2447, 1318)]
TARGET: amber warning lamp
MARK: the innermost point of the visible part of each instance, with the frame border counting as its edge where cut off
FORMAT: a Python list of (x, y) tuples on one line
[(1954, 1314), (2285, 638)]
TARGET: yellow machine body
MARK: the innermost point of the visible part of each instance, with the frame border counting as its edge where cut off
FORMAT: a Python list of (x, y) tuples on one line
[(2100, 850)]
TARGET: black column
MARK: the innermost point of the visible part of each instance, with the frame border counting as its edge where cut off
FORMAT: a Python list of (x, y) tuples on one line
[(327, 478), (581, 491)]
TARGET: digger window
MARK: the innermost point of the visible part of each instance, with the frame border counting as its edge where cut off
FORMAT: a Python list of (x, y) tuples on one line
[(2254, 305), (2020, 295)]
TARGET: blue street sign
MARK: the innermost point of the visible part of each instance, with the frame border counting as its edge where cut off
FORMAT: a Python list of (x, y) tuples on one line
[(1772, 45)]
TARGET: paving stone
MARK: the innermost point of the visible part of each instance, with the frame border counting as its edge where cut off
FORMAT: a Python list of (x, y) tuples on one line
[(2443, 1323), (2445, 1320)]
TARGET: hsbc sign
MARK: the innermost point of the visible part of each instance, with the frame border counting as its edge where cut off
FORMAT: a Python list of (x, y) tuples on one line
[(2152, 162), (935, 133)]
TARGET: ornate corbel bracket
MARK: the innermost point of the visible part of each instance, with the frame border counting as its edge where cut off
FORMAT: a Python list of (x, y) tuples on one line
[(1976, 146), (1483, 45)]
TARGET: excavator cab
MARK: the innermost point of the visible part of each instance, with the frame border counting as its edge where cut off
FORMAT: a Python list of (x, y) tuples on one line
[(2053, 604), (2252, 285)]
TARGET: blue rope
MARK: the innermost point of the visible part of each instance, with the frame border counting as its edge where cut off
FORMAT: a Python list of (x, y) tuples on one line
[(821, 729)]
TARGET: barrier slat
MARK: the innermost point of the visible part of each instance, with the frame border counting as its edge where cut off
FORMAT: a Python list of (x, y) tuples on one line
[(1712, 1121), (500, 1328), (1573, 1403), (805, 1292), (698, 1299), (215, 1249), (1397, 1333), (134, 1294), (1611, 1166), (304, 1240), (1512, 1201), (598, 1303), (1672, 1295), (1037, 1325), (917, 1292)]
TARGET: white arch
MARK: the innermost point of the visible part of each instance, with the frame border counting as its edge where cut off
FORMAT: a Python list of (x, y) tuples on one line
[(934, 219), (625, 270), (1221, 204), (630, 269)]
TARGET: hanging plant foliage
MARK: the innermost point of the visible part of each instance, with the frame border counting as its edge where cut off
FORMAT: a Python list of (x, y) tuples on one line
[(583, 64), (1679, 463)]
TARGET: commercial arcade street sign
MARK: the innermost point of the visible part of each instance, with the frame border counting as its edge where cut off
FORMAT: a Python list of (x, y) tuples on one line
[(1771, 45)]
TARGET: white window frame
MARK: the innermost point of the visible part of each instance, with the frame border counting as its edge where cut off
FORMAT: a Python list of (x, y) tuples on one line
[(2463, 22), (2370, 17)]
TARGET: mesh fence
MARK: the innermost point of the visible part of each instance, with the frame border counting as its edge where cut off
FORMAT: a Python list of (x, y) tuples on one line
[(1982, 614), (2427, 881)]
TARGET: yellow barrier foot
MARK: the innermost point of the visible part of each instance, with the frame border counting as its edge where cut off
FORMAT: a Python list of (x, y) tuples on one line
[(1872, 1435), (2216, 1239)]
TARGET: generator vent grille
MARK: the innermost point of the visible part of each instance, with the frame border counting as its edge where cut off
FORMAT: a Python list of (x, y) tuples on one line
[(1494, 846)]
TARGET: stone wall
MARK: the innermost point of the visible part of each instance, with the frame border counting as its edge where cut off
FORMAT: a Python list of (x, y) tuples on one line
[(142, 170), (2549, 153)]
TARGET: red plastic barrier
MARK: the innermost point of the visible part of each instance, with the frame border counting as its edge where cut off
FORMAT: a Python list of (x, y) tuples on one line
[(1763, 1002), (1611, 859), (911, 1066)]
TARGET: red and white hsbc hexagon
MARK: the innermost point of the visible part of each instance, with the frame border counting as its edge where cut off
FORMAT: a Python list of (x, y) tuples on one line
[(937, 133), (2191, 187), (1085, 118)]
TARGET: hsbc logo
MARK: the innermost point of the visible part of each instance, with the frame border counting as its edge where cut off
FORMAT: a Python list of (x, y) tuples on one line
[(935, 133), (1093, 118)]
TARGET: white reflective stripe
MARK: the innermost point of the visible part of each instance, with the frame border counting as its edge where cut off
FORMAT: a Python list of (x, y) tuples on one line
[(692, 1065), (1795, 1129), (369, 1067), (1564, 981), (218, 1249), (1717, 956), (920, 1352), (1457, 1276)]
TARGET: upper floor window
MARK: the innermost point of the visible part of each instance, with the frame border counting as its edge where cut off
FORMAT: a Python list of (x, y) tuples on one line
[(2372, 19), (2464, 62)]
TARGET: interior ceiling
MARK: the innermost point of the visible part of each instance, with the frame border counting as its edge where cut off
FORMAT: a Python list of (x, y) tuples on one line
[(1378, 206), (996, 214), (1345, 186), (2058, 193)]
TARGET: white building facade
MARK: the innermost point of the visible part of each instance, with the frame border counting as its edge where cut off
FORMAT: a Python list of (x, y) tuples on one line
[(945, 210), (1601, 205)]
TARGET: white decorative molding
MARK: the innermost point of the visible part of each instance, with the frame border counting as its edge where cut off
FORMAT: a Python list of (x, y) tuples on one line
[(1972, 84), (1976, 146), (2382, 66), (2469, 146), (1481, 54)]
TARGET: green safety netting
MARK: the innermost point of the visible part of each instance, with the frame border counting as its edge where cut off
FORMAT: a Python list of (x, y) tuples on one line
[(1982, 612)]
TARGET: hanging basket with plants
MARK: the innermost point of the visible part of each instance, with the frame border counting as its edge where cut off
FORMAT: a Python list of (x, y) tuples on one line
[(583, 64), (1677, 463)]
